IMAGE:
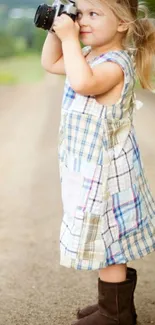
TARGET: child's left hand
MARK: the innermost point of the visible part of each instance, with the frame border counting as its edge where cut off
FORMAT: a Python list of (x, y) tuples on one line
[(65, 27)]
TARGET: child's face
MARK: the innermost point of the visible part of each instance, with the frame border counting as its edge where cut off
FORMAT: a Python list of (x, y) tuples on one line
[(98, 24)]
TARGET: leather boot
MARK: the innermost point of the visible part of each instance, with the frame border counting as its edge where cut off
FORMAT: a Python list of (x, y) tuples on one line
[(131, 274), (114, 305)]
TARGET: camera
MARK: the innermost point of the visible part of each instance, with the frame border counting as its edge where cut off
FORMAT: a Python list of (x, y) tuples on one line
[(45, 15)]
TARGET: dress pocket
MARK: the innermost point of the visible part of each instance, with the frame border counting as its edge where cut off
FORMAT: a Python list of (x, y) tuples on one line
[(129, 211), (71, 190)]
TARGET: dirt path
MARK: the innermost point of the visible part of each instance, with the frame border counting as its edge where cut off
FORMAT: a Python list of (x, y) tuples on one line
[(34, 289)]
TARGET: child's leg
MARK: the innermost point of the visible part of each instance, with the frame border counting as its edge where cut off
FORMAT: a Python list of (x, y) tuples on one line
[(113, 273)]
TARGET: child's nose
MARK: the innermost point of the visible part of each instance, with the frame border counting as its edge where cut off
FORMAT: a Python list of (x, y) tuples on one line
[(83, 21)]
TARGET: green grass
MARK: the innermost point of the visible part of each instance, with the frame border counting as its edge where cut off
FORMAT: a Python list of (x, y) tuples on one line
[(21, 70)]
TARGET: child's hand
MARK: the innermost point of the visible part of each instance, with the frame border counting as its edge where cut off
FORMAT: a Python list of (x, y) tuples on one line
[(65, 27)]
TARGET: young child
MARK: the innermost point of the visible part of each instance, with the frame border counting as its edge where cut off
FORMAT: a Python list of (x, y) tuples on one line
[(109, 212)]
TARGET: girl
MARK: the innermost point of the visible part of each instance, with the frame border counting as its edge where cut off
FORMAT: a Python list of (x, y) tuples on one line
[(109, 212)]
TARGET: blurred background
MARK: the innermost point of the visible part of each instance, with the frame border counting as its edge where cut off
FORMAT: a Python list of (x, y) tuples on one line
[(21, 42), (34, 288)]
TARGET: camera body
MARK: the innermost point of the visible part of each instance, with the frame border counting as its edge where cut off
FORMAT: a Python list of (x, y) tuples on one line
[(45, 15)]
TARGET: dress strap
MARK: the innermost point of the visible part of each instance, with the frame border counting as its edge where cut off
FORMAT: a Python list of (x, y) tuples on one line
[(124, 60), (121, 57)]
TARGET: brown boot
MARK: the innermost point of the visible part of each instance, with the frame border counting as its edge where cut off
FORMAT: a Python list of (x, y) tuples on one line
[(114, 305), (131, 274)]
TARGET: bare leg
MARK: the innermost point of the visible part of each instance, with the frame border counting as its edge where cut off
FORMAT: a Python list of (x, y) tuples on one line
[(113, 273)]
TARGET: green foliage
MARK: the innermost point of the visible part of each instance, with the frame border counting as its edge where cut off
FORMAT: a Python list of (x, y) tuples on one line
[(151, 6), (7, 47), (38, 39), (22, 28), (21, 46), (21, 35)]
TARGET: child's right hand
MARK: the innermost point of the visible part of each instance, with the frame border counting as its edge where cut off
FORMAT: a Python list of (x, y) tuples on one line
[(66, 28)]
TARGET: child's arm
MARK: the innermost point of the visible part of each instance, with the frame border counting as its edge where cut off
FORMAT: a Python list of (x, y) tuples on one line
[(86, 80), (83, 79), (52, 56)]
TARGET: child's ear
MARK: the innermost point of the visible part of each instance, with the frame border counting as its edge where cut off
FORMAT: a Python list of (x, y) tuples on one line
[(123, 26)]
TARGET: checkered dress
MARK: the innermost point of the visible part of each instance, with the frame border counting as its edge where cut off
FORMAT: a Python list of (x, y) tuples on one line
[(109, 212)]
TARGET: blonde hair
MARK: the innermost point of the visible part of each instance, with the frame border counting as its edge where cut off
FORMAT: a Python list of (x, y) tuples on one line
[(140, 35)]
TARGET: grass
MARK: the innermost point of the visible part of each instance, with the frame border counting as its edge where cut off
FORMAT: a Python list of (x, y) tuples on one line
[(21, 70)]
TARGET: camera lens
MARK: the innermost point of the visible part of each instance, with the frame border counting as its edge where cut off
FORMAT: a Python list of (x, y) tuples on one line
[(44, 16)]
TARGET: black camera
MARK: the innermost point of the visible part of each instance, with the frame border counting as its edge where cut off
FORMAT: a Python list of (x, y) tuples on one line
[(45, 14)]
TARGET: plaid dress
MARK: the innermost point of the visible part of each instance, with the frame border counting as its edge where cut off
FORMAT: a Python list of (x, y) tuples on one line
[(108, 209)]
